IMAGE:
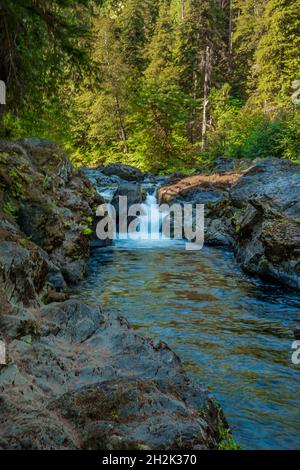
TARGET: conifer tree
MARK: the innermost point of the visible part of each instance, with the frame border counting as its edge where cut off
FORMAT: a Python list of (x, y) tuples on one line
[(248, 27), (202, 58), (137, 22), (160, 52), (37, 38), (277, 58), (102, 103)]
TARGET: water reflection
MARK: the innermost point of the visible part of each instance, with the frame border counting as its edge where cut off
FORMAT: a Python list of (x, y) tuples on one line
[(234, 334)]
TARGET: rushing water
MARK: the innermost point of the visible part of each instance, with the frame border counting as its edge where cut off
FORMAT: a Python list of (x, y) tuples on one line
[(233, 333)]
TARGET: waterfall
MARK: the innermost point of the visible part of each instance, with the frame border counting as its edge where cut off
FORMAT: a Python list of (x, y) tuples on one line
[(150, 221)]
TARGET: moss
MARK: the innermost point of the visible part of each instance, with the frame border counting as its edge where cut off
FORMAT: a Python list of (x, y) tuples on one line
[(140, 446), (264, 263), (24, 242), (115, 416), (227, 441), (87, 231), (10, 209), (29, 328), (89, 192), (179, 442), (98, 405), (4, 157)]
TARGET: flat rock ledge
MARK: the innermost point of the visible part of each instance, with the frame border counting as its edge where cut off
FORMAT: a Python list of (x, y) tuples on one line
[(87, 380)]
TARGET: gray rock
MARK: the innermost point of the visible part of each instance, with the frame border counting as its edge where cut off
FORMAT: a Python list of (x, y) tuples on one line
[(258, 215), (274, 180), (11, 324), (267, 199), (56, 280), (10, 375), (74, 272), (132, 191), (134, 194), (23, 272), (125, 172), (92, 382), (224, 165)]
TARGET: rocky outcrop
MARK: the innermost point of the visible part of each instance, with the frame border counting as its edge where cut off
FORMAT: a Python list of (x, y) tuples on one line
[(133, 192), (213, 192), (266, 202), (78, 377), (256, 212), (46, 214), (125, 172), (200, 189), (81, 378)]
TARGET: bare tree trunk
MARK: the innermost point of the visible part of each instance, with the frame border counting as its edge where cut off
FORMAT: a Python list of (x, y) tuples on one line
[(110, 76), (182, 10), (2, 102), (205, 95), (230, 26), (123, 134), (193, 136)]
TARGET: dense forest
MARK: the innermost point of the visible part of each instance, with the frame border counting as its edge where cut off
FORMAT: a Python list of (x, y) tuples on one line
[(162, 84)]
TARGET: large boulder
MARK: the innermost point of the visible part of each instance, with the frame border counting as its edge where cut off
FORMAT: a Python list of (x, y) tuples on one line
[(133, 192), (266, 203), (89, 381), (199, 189), (212, 191), (256, 211), (23, 272), (276, 181), (125, 172), (47, 216), (224, 165)]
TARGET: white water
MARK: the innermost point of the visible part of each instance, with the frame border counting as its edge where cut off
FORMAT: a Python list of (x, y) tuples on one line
[(150, 221)]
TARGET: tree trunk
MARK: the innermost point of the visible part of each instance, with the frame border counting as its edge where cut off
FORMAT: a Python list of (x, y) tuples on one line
[(182, 10), (2, 102), (205, 95), (230, 26)]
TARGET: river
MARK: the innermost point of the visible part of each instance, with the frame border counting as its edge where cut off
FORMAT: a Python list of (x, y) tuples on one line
[(233, 333)]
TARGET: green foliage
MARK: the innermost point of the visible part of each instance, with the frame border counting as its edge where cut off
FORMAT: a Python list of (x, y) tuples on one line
[(227, 441), (87, 231), (241, 132), (158, 138), (152, 84), (277, 58), (10, 208), (37, 38)]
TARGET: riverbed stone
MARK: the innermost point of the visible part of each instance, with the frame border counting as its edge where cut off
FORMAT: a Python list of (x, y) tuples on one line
[(125, 172)]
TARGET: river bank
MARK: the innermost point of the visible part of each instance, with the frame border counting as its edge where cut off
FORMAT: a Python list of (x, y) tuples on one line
[(77, 376), (252, 207)]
